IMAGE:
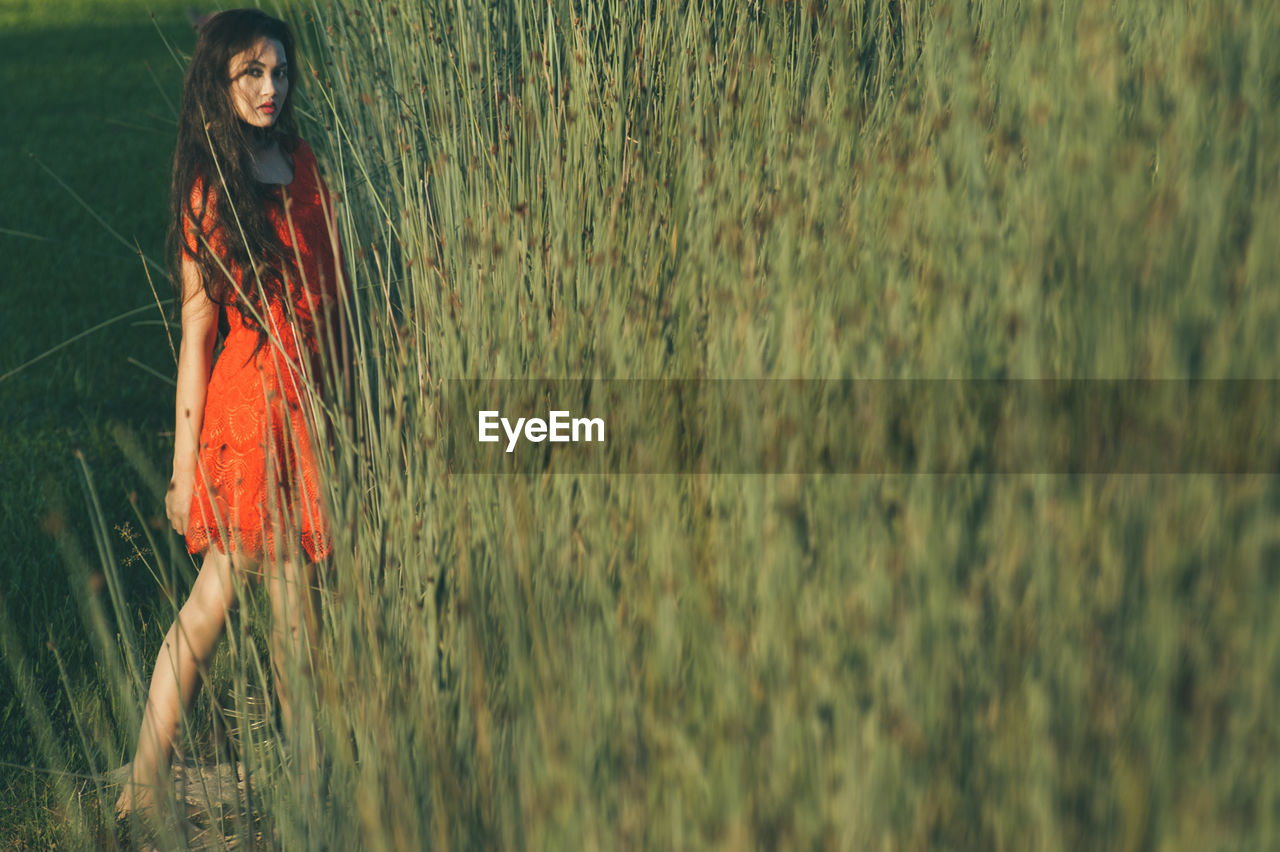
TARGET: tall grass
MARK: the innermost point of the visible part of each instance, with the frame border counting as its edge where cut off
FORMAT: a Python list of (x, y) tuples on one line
[(767, 191)]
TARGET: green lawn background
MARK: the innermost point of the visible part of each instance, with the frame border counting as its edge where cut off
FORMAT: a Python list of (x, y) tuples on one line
[(90, 92)]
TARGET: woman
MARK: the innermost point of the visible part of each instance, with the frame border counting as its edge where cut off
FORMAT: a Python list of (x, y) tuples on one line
[(252, 237)]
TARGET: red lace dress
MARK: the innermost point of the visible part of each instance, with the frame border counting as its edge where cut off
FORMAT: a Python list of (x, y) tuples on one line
[(257, 476)]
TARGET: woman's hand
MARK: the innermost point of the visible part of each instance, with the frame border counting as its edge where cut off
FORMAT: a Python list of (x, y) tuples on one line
[(177, 503)]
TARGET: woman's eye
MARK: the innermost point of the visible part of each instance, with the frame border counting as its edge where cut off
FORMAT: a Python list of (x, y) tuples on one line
[(254, 72)]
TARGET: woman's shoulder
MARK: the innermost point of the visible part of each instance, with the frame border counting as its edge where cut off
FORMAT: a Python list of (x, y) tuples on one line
[(199, 218), (306, 166), (202, 197), (303, 151), (304, 160)]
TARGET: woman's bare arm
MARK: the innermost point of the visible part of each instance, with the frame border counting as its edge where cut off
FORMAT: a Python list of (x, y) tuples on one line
[(195, 360)]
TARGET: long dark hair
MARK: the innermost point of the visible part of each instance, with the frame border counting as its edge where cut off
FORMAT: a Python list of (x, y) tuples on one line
[(214, 151)]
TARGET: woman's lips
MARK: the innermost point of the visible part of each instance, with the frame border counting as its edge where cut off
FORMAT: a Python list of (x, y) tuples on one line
[(268, 108)]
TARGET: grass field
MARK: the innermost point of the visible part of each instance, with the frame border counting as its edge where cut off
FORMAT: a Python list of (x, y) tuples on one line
[(81, 101), (714, 190)]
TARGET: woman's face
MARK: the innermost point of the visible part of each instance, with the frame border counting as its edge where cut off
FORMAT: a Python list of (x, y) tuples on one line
[(260, 82)]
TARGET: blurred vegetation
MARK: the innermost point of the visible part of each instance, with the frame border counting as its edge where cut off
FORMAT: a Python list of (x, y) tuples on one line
[(859, 189)]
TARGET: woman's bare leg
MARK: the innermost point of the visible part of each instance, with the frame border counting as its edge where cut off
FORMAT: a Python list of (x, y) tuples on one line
[(187, 649), (291, 587)]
